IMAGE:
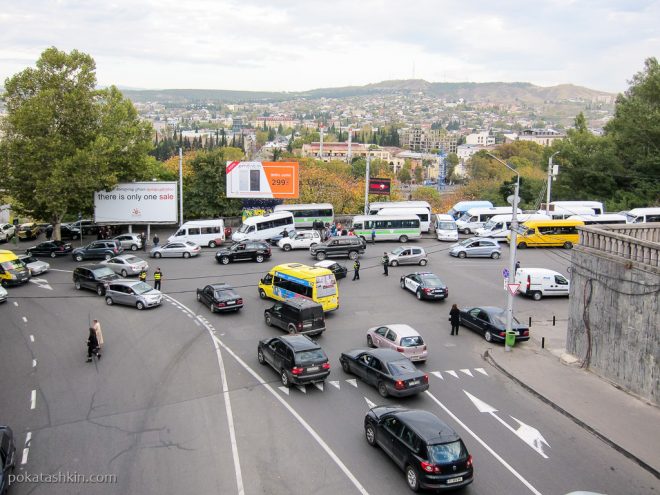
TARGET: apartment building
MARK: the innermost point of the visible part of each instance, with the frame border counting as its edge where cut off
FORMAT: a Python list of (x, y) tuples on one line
[(339, 151), (275, 122), (544, 137), (425, 139), (480, 139)]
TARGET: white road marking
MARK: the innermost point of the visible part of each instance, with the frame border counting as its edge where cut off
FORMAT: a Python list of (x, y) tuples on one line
[(484, 445), (43, 283), (482, 371), (15, 304), (24, 319), (198, 323), (353, 382), (31, 338), (33, 399), (58, 270), (284, 389), (438, 374), (466, 371), (452, 373), (319, 385), (334, 384), (34, 363), (302, 388), (26, 450), (369, 403)]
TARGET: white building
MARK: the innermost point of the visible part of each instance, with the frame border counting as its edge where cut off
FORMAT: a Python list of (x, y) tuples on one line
[(480, 138)]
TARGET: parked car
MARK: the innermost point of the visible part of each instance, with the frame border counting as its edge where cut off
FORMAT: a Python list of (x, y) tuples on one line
[(69, 232), (350, 246), (93, 277), (3, 294), (297, 358), (539, 282), (126, 264), (389, 371), (296, 315), (476, 247), (431, 454), (490, 322), (220, 297), (176, 249), (35, 266), (87, 226), (401, 338), (97, 250), (28, 231), (300, 240), (132, 293), (7, 457), (241, 251), (50, 248), (425, 285), (7, 231), (338, 269), (408, 256), (130, 241)]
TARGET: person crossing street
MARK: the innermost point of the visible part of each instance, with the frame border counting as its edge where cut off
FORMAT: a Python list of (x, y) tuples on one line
[(356, 268), (158, 275)]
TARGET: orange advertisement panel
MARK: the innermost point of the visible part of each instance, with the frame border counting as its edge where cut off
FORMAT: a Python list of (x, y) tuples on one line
[(262, 180)]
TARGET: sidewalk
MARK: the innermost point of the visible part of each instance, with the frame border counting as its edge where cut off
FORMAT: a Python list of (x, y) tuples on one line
[(621, 420)]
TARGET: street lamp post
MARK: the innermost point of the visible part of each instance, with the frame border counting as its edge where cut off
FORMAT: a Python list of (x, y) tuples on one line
[(366, 185), (550, 174), (512, 250)]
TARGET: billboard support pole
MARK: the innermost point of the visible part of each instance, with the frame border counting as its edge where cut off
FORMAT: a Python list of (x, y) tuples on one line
[(366, 185), (180, 187)]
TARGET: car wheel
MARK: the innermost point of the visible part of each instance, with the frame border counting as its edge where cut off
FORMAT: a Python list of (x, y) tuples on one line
[(370, 435), (211, 308), (522, 245), (462, 254), (411, 478), (108, 301), (224, 260), (259, 258), (495, 255), (139, 305), (100, 290), (345, 366), (285, 379), (419, 294), (107, 256), (353, 255), (212, 244), (488, 336), (291, 328), (320, 256), (370, 341), (402, 284), (537, 296), (394, 263), (124, 273), (568, 245), (186, 255), (52, 255), (260, 357), (77, 285), (403, 238), (78, 257), (423, 262), (312, 244), (287, 247), (157, 255), (262, 294), (133, 247), (382, 390), (199, 296), (269, 321)]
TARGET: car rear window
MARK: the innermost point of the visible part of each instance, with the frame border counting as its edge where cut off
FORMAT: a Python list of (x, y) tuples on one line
[(412, 341), (311, 355), (447, 452), (433, 282), (402, 367), (225, 293)]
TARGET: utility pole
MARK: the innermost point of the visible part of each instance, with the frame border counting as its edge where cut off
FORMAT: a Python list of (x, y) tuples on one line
[(550, 176), (366, 185), (321, 143), (349, 153), (180, 187)]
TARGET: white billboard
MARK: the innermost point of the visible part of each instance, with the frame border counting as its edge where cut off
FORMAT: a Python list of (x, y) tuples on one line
[(137, 202)]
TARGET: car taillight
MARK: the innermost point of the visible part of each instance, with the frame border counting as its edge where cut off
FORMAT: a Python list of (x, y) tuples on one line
[(428, 290), (429, 467), (399, 349), (425, 378), (61, 248), (296, 370), (326, 366), (399, 385), (502, 334), (469, 462), (526, 333), (239, 301), (529, 281), (221, 304), (299, 325)]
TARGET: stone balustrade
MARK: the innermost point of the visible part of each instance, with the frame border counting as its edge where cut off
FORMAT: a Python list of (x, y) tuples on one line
[(637, 243)]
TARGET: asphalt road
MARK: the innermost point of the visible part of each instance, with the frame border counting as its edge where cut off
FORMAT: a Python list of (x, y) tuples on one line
[(179, 404)]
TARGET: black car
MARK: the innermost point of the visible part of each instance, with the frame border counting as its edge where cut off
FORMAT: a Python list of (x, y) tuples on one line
[(337, 269), (297, 358), (50, 248), (98, 250), (425, 285), (69, 232), (430, 452), (7, 457), (220, 297), (241, 251), (351, 246), (94, 277), (490, 322), (387, 370), (87, 226), (273, 241), (296, 315)]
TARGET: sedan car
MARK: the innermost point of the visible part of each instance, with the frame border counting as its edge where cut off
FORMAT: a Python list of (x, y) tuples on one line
[(476, 247), (220, 297), (69, 232), (399, 337), (132, 293), (296, 358), (300, 240), (338, 269), (126, 264), (7, 231), (274, 240), (244, 251), (387, 370), (7, 457), (3, 294), (35, 266), (425, 285), (490, 322), (50, 248), (176, 249), (129, 241), (408, 256)]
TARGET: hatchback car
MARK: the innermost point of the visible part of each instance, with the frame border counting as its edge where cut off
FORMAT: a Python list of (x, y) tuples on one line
[(401, 338), (387, 370), (431, 453), (244, 251), (7, 457), (50, 248), (94, 277), (220, 297), (126, 264), (490, 322), (105, 249), (408, 256), (296, 315), (337, 269), (297, 358), (129, 241), (132, 293), (476, 247), (35, 266), (176, 249), (425, 285)]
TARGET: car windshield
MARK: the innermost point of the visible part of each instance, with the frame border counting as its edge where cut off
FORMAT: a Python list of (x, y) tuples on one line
[(191, 244), (442, 453), (29, 259), (141, 288), (401, 367), (397, 251), (103, 272), (465, 242), (12, 265), (310, 356), (432, 281), (446, 226), (244, 228), (412, 341)]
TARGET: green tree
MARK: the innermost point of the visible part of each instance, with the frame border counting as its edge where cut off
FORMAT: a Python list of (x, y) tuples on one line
[(404, 175), (64, 139)]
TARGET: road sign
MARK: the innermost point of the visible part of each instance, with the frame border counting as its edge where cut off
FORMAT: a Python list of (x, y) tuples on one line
[(513, 288), (505, 273)]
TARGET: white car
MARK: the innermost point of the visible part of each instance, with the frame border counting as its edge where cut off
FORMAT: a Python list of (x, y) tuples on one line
[(36, 267), (3, 294), (126, 264), (7, 231), (301, 240)]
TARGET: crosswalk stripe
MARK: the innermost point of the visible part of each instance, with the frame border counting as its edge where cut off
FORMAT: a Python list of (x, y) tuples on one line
[(467, 372), (334, 384), (302, 388), (438, 374), (284, 389), (319, 385), (481, 370), (369, 403), (452, 373), (353, 382)]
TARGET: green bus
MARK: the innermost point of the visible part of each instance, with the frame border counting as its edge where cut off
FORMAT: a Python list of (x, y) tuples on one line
[(388, 227)]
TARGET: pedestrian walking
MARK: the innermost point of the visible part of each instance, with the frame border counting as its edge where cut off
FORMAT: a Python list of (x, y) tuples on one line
[(96, 325), (517, 265), (92, 345), (373, 236), (99, 234), (333, 230), (143, 238), (143, 275), (156, 240), (454, 318), (157, 277), (385, 260), (49, 232), (356, 268)]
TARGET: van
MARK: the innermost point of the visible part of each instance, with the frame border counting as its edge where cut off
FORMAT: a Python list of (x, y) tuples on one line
[(446, 228), (209, 233), (459, 209), (263, 227), (596, 206), (298, 281), (606, 219), (296, 316), (499, 226), (12, 270), (643, 215), (540, 282), (548, 233), (564, 213), (475, 218)]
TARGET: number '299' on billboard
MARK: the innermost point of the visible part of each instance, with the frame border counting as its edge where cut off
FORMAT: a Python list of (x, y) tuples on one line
[(262, 180)]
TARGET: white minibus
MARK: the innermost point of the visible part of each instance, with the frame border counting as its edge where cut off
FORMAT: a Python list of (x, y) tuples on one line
[(564, 212), (475, 218), (499, 226), (643, 215), (388, 228), (262, 228), (606, 219), (461, 207), (596, 206), (304, 215), (423, 214), (445, 228), (209, 233), (375, 207)]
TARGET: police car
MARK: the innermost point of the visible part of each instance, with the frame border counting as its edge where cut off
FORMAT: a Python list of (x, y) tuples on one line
[(425, 285)]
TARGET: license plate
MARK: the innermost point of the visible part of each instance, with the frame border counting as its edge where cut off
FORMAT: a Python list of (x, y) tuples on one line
[(454, 480), (313, 368), (413, 382), (231, 302)]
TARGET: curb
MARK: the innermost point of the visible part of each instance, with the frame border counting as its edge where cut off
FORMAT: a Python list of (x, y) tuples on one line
[(490, 359)]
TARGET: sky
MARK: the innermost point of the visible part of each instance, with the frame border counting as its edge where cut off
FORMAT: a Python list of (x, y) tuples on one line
[(296, 45)]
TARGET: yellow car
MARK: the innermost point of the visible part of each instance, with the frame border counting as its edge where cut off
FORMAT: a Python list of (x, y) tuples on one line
[(28, 231)]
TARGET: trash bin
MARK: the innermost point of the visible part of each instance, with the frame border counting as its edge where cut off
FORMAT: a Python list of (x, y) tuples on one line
[(510, 338)]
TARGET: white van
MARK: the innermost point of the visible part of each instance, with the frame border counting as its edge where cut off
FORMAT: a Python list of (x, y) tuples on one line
[(563, 213), (445, 228), (539, 282), (475, 218), (499, 226), (643, 215), (459, 209), (262, 228), (596, 206), (606, 219), (209, 233), (424, 215)]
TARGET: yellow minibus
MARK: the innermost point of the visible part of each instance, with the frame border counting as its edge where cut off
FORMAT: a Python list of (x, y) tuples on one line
[(548, 233), (292, 280)]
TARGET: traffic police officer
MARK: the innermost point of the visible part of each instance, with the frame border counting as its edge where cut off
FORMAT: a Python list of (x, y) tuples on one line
[(157, 276), (143, 275)]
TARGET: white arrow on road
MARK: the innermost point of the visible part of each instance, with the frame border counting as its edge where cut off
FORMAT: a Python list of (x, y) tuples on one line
[(43, 283), (528, 434)]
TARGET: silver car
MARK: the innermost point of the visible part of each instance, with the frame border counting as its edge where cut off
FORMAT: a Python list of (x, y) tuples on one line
[(132, 293), (130, 241), (408, 256), (3, 294), (126, 264), (477, 247), (36, 267), (176, 249)]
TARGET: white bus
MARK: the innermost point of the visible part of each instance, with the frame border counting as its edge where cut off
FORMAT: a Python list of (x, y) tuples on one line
[(375, 207), (643, 215), (597, 206), (387, 228), (606, 219), (499, 226), (459, 209), (423, 214), (209, 233), (262, 228), (445, 228), (475, 218), (305, 215)]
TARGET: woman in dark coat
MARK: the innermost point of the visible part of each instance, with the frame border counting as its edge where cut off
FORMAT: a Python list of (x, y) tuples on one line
[(92, 345), (454, 317)]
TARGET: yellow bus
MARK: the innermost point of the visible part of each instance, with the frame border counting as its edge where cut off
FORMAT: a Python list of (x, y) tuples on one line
[(548, 233), (293, 280)]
